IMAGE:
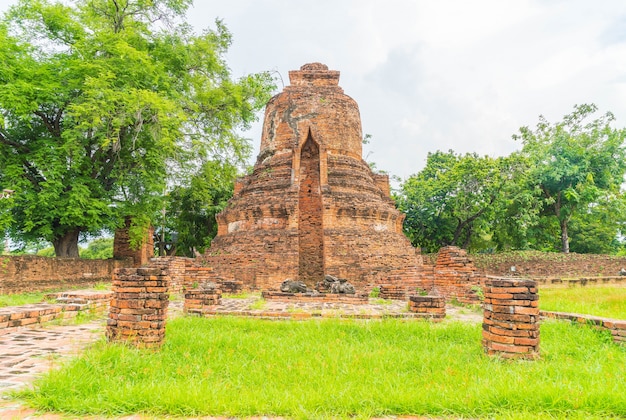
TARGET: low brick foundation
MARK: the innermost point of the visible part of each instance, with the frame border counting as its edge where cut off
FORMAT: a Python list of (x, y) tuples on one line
[(390, 291), (431, 306), (68, 305), (511, 318), (198, 301), (321, 298), (139, 306), (617, 327)]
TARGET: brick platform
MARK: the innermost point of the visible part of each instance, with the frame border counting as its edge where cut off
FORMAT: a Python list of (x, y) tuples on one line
[(318, 298), (139, 306), (68, 305), (199, 301), (511, 318), (431, 306)]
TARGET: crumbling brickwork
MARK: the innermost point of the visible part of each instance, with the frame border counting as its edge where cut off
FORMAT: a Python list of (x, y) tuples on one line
[(123, 250), (32, 273), (312, 206), (433, 307), (138, 309), (455, 276)]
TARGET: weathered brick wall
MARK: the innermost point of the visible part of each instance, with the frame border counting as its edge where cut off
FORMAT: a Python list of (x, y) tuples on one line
[(549, 264), (511, 318), (455, 276), (123, 250), (30, 273)]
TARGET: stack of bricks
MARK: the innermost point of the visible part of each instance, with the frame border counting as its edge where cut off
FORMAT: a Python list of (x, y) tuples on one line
[(199, 301), (431, 306), (139, 305), (511, 318), (456, 276), (390, 291), (231, 286)]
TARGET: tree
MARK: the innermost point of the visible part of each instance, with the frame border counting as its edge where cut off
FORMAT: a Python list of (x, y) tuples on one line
[(575, 163), (191, 209), (596, 229), (98, 249), (453, 199), (106, 103)]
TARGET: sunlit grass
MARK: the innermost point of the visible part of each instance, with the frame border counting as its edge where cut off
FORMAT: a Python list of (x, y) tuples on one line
[(18, 299), (602, 301), (339, 369)]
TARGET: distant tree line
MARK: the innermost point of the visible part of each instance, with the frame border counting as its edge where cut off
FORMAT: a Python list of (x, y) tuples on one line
[(561, 192)]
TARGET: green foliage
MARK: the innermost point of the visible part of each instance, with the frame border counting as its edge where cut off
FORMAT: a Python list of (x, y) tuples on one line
[(339, 369), (454, 200), (192, 209), (104, 105), (98, 249), (574, 163)]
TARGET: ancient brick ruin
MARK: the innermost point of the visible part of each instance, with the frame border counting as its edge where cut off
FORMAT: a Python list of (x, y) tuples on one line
[(312, 205), (122, 248), (511, 318)]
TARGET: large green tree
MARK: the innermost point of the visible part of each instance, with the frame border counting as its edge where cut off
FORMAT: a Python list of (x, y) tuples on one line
[(104, 105), (575, 164), (189, 223), (453, 200)]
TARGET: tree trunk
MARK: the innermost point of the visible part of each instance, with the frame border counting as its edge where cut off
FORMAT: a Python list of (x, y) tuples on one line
[(66, 246), (564, 237)]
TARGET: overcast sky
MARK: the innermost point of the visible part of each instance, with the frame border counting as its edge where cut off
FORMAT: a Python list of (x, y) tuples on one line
[(438, 75)]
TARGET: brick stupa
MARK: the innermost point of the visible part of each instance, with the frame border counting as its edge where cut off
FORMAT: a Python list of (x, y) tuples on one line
[(312, 205)]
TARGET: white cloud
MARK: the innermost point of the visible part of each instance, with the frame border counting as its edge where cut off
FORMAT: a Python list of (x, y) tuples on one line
[(449, 74)]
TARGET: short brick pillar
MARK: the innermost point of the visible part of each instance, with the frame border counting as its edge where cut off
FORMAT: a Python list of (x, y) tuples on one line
[(391, 291), (511, 318), (198, 301), (431, 306), (139, 306)]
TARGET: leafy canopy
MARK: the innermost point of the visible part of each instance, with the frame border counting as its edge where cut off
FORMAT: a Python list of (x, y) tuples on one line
[(576, 163), (452, 200), (104, 104)]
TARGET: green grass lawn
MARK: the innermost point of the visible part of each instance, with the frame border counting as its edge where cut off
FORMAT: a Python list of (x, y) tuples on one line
[(322, 369), (603, 301), (19, 299)]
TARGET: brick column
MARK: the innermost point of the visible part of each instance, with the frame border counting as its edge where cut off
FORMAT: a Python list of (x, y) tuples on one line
[(139, 306), (511, 318), (431, 306)]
